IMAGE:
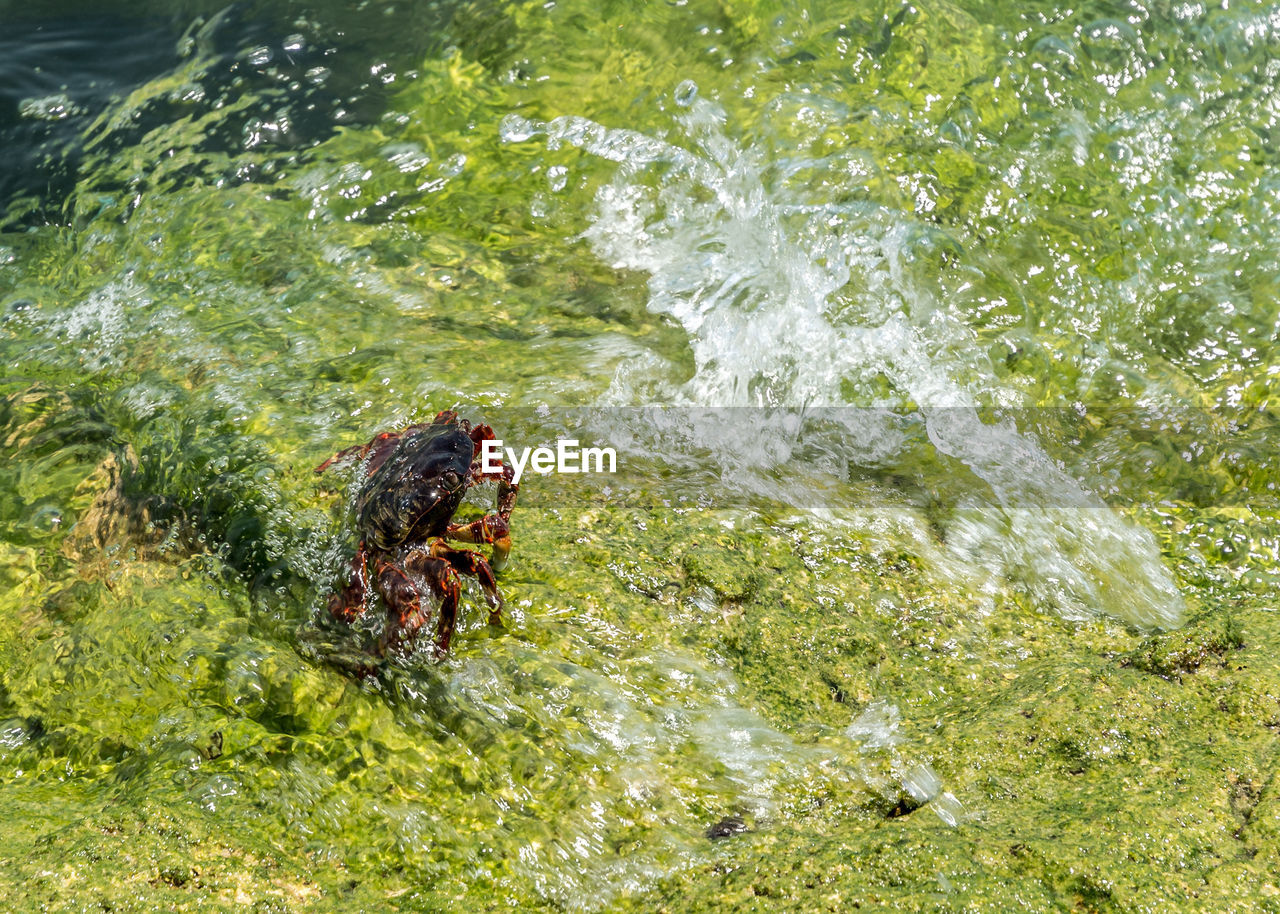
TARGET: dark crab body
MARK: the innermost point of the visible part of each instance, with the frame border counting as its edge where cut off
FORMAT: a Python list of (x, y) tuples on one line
[(414, 494), (416, 480)]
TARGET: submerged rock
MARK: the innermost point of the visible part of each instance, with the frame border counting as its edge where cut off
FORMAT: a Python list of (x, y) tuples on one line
[(114, 518), (727, 828)]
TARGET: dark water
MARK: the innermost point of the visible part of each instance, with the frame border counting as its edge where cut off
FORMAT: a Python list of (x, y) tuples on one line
[(268, 77), (76, 67)]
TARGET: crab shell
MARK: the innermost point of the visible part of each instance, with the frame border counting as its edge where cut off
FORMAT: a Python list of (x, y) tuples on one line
[(414, 494)]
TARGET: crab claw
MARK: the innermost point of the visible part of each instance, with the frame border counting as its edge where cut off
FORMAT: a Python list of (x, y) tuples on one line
[(479, 435), (490, 530)]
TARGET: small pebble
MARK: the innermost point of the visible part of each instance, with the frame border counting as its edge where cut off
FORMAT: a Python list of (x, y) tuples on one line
[(727, 828)]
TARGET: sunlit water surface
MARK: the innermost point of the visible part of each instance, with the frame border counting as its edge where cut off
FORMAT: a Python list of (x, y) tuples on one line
[(922, 333)]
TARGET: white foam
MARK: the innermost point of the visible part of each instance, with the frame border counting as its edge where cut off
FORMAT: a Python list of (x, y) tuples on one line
[(795, 299)]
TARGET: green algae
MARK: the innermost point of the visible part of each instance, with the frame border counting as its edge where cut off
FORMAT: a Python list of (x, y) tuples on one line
[(1044, 729), (180, 726), (1091, 775)]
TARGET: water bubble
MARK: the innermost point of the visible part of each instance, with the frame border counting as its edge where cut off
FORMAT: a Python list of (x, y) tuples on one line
[(407, 157), (1118, 151), (557, 177), (1052, 53), (18, 310), (211, 793), (259, 56), (454, 165), (685, 93), (516, 129), (244, 687), (1114, 45), (13, 734), (46, 519), (49, 108)]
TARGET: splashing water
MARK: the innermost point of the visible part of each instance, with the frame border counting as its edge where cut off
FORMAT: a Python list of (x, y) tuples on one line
[(798, 300)]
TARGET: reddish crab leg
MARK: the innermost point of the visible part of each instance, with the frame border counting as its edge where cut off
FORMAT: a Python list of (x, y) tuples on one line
[(439, 569), (382, 446), (474, 564), (492, 529), (349, 603), (404, 601), (360, 449)]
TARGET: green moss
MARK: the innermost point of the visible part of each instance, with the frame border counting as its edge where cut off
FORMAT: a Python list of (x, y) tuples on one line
[(1085, 782), (1211, 638), (180, 727)]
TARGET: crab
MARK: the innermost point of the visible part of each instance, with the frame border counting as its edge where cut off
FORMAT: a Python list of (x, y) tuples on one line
[(415, 481)]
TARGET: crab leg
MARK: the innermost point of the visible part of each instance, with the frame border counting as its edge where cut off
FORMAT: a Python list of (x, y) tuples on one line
[(349, 603), (382, 446), (474, 564), (444, 583), (404, 604), (492, 529)]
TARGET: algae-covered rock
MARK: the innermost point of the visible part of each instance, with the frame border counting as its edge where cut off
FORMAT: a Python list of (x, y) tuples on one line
[(115, 517), (81, 848), (1085, 782), (1210, 638), (833, 677)]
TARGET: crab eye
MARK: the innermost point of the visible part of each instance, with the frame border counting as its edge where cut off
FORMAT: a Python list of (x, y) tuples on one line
[(451, 479)]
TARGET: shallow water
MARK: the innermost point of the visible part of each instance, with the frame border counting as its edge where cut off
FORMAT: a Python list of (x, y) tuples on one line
[(936, 343)]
